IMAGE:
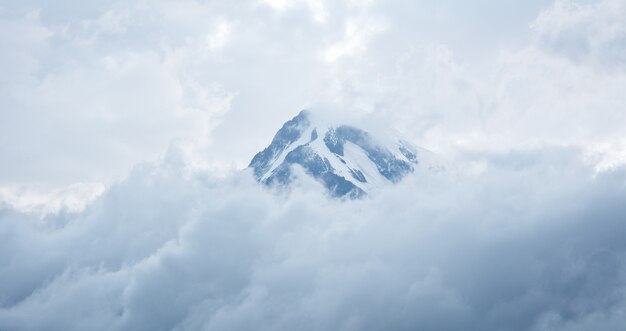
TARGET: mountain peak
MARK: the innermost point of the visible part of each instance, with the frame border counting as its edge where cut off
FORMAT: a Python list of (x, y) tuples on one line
[(347, 160)]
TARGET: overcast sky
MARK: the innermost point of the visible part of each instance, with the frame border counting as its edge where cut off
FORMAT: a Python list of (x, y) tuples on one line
[(144, 112), (91, 88)]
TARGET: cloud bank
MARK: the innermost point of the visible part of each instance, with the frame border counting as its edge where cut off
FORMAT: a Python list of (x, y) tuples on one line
[(532, 242)]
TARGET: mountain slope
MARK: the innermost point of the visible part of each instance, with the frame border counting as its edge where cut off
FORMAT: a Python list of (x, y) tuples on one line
[(347, 160)]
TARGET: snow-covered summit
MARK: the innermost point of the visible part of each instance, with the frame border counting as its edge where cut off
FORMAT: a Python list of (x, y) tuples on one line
[(346, 159)]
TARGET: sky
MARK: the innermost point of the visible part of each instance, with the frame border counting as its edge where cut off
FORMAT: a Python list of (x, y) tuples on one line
[(125, 128)]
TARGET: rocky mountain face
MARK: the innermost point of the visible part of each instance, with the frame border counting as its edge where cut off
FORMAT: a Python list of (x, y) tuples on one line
[(347, 160)]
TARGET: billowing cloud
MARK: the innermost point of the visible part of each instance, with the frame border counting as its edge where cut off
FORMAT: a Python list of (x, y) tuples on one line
[(524, 96), (531, 243), (88, 77), (93, 89)]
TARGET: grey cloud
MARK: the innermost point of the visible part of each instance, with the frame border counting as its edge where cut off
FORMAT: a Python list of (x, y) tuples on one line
[(528, 245)]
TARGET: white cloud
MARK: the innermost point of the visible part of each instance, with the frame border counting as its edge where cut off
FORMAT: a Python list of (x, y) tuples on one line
[(354, 40), (219, 38), (402, 59), (43, 201), (318, 8), (519, 97), (25, 40), (77, 110), (593, 32)]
